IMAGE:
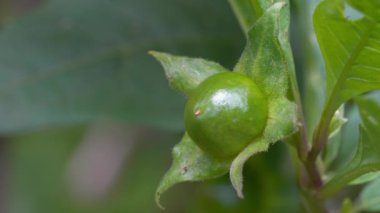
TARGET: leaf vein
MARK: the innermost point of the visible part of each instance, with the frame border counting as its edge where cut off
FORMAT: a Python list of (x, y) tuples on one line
[(362, 80), (341, 44), (372, 49), (368, 67)]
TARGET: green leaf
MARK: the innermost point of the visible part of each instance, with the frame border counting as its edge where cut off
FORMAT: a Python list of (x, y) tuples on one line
[(184, 73), (369, 198), (367, 157), (365, 178), (76, 61), (281, 123), (190, 163), (351, 49), (249, 11), (236, 170), (347, 206), (263, 58), (347, 140), (337, 122), (331, 151), (267, 62)]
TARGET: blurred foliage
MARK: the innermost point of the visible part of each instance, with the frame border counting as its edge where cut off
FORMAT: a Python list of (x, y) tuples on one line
[(370, 197), (39, 164), (70, 62)]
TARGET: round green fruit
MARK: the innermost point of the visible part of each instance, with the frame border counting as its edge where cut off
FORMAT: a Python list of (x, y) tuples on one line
[(225, 113)]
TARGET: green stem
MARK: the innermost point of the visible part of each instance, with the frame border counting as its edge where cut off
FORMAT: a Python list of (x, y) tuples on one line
[(314, 204), (310, 168), (302, 144), (311, 201), (309, 176), (320, 139)]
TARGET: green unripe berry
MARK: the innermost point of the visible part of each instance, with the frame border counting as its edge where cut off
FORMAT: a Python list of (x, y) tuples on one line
[(225, 113)]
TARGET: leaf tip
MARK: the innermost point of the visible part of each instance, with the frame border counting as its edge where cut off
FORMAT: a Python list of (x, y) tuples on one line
[(157, 55), (240, 193), (236, 178), (237, 183), (236, 169), (157, 199)]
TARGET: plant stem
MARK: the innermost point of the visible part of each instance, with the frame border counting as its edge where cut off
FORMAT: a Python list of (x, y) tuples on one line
[(320, 139), (312, 202), (313, 176), (302, 144)]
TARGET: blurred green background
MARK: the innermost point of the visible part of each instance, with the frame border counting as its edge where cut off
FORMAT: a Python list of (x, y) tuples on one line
[(87, 119)]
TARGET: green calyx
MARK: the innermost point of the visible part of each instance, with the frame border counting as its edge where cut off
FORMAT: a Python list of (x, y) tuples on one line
[(253, 112), (225, 113)]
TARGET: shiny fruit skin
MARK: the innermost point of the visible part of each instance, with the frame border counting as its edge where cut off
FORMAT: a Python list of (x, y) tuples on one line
[(225, 113)]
